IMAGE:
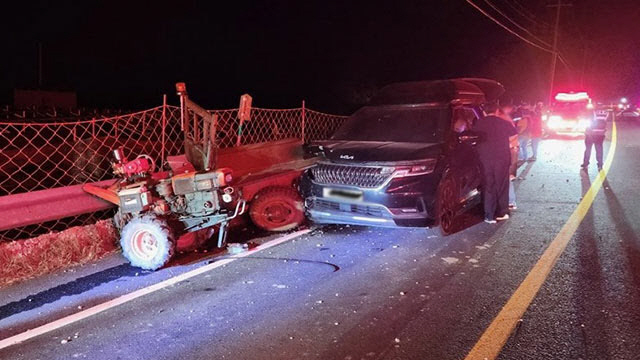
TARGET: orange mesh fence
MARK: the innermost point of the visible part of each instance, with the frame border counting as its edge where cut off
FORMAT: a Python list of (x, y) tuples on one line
[(320, 126), (48, 154), (37, 156)]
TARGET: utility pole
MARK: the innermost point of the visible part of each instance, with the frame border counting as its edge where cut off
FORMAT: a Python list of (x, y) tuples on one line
[(554, 55), (584, 66), (39, 65)]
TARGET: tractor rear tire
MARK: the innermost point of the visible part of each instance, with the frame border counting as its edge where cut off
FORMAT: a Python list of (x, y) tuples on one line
[(147, 242), (277, 208)]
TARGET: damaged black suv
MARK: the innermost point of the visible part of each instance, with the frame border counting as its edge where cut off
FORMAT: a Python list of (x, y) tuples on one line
[(406, 159)]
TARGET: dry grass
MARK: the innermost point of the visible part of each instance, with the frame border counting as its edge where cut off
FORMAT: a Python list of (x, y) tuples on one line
[(23, 259)]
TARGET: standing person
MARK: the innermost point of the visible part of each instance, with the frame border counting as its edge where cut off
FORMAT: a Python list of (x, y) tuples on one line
[(505, 113), (494, 154), (535, 130), (522, 117), (594, 137)]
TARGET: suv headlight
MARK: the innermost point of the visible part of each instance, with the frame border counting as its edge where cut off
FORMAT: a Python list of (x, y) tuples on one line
[(420, 168)]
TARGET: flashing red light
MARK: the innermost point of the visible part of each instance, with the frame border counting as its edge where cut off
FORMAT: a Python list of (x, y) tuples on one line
[(579, 96), (181, 88)]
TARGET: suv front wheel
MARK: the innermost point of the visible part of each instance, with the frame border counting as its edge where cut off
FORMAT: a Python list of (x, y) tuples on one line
[(447, 203)]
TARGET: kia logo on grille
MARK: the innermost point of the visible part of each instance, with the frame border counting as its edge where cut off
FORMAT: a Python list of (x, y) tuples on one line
[(346, 157)]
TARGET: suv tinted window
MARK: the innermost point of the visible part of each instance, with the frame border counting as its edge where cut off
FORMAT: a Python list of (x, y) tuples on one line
[(463, 119), (403, 123)]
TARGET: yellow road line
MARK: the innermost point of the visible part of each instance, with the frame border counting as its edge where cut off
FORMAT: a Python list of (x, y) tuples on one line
[(493, 339), (16, 339)]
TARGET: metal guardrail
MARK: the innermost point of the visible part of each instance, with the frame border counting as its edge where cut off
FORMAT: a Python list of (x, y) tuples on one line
[(37, 207)]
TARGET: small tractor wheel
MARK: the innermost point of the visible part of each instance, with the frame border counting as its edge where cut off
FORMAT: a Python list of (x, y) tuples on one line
[(277, 208), (147, 242)]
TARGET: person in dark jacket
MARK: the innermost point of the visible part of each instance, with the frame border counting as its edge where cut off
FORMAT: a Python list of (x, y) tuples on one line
[(594, 137), (495, 156)]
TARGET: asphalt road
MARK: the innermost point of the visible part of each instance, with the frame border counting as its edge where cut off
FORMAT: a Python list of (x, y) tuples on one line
[(367, 293)]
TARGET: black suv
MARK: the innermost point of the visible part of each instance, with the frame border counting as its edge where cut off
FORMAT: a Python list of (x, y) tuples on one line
[(406, 159)]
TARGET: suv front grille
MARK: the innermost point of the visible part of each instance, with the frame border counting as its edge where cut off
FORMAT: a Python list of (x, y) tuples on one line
[(357, 209), (360, 176)]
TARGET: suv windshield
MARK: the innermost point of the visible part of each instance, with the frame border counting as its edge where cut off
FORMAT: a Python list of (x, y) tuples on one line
[(404, 123)]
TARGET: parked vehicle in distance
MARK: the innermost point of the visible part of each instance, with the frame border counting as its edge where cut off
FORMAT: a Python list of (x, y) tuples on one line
[(629, 114), (406, 159)]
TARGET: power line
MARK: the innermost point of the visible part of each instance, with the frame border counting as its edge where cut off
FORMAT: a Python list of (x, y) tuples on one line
[(533, 21), (515, 23), (516, 34), (529, 12)]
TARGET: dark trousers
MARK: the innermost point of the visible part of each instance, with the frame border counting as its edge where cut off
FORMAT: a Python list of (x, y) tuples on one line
[(496, 187), (589, 142)]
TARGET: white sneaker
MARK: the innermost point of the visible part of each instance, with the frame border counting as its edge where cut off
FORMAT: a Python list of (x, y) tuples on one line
[(513, 207), (503, 217), (489, 221)]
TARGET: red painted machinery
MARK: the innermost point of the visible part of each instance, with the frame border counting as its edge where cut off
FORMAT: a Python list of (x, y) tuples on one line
[(160, 211)]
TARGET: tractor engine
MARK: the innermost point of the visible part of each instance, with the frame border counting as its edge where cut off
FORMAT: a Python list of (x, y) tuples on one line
[(189, 194), (198, 194), (193, 194)]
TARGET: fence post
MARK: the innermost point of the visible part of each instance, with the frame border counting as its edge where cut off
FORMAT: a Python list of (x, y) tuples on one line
[(304, 120), (164, 130), (144, 123)]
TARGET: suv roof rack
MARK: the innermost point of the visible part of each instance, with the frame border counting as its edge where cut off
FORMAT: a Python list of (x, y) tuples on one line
[(460, 90)]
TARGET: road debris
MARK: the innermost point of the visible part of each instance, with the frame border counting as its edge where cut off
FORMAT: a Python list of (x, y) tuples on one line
[(450, 260), (237, 248)]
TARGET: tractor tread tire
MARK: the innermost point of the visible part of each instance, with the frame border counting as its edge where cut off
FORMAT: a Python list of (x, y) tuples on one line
[(163, 235)]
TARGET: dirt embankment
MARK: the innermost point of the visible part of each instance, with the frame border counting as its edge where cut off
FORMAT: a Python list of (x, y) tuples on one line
[(23, 259)]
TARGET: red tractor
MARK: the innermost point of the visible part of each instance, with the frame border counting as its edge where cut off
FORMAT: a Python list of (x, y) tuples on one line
[(156, 209), (194, 199)]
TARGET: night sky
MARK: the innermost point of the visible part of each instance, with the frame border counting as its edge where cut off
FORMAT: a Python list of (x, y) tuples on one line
[(126, 54)]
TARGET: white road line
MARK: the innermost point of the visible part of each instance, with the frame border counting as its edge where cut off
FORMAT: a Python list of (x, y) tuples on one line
[(29, 334)]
